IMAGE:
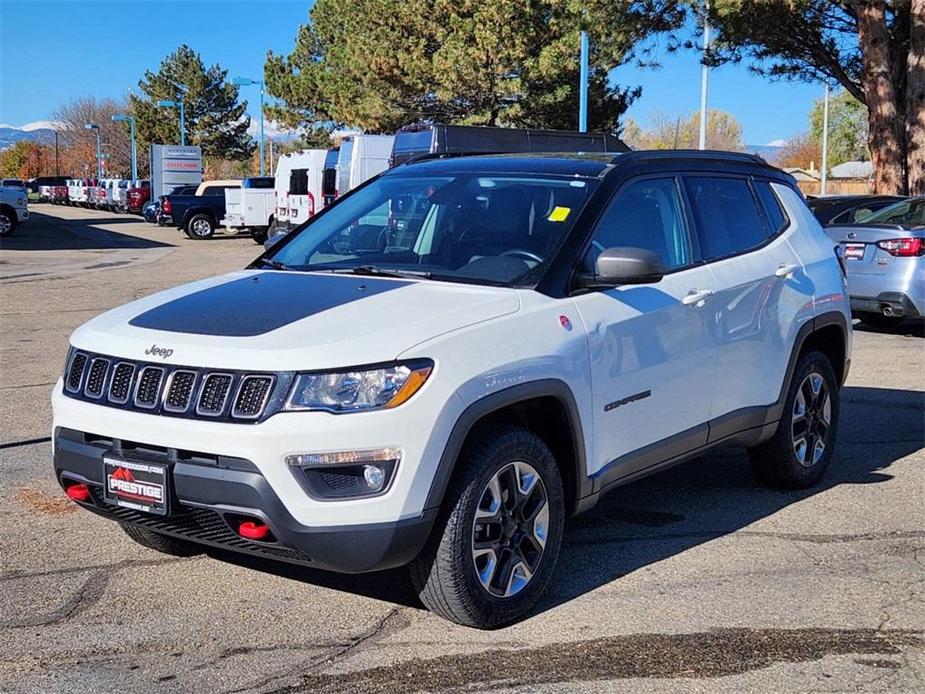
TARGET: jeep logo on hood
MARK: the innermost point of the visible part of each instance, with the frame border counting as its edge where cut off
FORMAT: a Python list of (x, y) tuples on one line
[(156, 351)]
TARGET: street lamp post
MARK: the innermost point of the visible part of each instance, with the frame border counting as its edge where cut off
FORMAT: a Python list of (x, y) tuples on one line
[(243, 82), (170, 103), (119, 117), (99, 149)]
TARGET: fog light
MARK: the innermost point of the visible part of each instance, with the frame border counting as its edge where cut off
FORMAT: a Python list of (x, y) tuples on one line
[(374, 477)]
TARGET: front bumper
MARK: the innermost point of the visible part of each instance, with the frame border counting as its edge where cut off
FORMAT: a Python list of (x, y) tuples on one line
[(210, 495), (22, 214)]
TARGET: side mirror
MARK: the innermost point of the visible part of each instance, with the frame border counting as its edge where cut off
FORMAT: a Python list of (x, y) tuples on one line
[(625, 265)]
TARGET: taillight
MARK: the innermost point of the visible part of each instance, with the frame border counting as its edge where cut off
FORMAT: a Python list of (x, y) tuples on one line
[(165, 207), (903, 247)]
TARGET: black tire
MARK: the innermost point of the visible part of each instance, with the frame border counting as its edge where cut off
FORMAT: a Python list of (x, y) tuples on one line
[(7, 223), (200, 227), (162, 543), (878, 320), (260, 235), (777, 462), (445, 574)]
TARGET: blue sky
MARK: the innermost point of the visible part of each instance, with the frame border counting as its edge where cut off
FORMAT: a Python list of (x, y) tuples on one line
[(53, 51)]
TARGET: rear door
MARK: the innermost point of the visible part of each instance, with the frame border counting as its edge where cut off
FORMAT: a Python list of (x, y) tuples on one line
[(652, 347), (760, 289)]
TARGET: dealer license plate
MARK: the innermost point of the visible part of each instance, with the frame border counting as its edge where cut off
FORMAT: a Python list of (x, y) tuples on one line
[(135, 484)]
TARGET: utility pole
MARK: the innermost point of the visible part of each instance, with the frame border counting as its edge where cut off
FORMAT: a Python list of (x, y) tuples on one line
[(57, 172), (825, 140), (704, 70)]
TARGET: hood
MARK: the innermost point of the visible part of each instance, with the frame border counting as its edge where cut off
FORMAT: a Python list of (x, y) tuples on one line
[(285, 321)]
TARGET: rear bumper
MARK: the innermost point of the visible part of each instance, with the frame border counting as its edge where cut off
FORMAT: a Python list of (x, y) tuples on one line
[(896, 304), (207, 498)]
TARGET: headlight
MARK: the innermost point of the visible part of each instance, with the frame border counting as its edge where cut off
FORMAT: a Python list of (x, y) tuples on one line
[(360, 389)]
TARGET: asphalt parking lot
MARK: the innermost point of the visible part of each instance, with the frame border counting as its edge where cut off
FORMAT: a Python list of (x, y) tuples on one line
[(694, 580)]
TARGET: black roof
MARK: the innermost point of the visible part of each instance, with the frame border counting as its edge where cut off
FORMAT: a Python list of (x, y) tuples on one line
[(592, 164)]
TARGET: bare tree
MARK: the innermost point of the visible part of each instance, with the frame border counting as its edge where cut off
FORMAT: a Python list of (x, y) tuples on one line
[(80, 143), (682, 132)]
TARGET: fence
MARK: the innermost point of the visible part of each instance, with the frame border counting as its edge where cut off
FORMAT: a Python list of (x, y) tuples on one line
[(850, 187)]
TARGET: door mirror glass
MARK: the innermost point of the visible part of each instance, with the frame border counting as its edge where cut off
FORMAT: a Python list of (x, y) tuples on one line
[(625, 265)]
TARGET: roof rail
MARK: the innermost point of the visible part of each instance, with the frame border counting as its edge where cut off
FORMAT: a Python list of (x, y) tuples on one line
[(696, 154), (427, 156)]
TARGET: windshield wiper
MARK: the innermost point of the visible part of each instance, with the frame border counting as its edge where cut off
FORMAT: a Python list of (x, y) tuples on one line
[(275, 264), (375, 271)]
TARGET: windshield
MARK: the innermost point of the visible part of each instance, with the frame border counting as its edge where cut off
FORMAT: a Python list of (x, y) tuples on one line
[(911, 212), (480, 228)]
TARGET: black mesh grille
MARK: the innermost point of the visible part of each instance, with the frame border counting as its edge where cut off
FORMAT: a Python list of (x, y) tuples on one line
[(149, 386), (181, 391), (342, 481), (214, 393), (96, 377), (200, 525), (252, 395), (76, 372), (121, 384)]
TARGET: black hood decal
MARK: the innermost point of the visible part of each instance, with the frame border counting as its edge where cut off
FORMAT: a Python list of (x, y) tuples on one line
[(260, 303)]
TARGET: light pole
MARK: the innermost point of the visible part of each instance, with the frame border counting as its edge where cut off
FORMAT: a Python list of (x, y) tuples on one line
[(243, 82), (825, 140), (99, 149), (583, 87), (170, 103), (704, 72), (120, 117)]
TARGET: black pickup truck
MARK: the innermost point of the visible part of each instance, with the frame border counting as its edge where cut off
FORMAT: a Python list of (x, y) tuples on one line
[(198, 215)]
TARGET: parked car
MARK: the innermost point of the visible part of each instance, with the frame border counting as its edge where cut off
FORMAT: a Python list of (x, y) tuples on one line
[(305, 195), (329, 176), (445, 397), (847, 209), (151, 211), (198, 215), (155, 214), (413, 141), (885, 260), (14, 208), (44, 186), (137, 196), (77, 191), (251, 207)]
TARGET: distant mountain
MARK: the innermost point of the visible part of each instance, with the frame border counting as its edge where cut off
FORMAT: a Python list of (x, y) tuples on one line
[(40, 131), (768, 152)]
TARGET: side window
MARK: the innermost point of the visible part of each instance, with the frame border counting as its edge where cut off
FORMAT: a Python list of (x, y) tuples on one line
[(727, 216), (645, 214), (772, 209)]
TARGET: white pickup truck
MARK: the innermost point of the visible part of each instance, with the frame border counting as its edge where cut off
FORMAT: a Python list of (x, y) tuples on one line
[(14, 209), (251, 206)]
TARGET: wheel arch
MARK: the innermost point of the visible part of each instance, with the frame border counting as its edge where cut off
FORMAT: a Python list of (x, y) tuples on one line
[(827, 333), (548, 409)]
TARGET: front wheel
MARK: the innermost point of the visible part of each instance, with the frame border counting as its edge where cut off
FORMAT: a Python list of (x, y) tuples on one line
[(801, 449), (7, 223), (495, 547), (200, 227), (260, 235)]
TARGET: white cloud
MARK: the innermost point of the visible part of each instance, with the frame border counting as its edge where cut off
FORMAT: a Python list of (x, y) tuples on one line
[(271, 130)]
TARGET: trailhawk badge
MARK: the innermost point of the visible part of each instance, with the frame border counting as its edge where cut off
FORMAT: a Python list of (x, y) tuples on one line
[(135, 485)]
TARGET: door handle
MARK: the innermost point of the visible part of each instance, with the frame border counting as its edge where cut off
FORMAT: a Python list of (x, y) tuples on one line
[(697, 297), (786, 270)]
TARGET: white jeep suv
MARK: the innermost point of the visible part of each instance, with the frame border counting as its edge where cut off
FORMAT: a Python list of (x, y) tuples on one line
[(441, 367)]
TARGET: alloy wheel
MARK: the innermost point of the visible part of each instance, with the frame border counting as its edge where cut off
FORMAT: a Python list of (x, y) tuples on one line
[(812, 419), (5, 225), (201, 227), (510, 529)]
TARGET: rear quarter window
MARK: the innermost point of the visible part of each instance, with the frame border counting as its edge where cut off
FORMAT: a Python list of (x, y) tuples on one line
[(728, 219), (777, 218)]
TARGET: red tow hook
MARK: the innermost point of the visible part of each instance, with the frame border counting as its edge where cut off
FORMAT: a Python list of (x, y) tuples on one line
[(78, 492), (253, 530)]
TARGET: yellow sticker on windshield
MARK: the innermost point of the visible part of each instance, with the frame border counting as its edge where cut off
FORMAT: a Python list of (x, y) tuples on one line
[(559, 214)]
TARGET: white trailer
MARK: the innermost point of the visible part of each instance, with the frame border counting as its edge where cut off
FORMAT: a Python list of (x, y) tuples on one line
[(362, 157)]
